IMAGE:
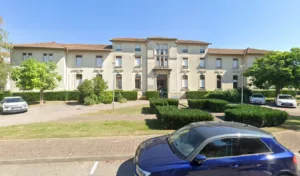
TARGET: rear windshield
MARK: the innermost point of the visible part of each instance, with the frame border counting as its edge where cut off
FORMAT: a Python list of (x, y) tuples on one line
[(257, 96), (13, 100), (286, 97)]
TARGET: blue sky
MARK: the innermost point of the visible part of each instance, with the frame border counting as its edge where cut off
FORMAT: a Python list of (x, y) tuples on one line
[(265, 24)]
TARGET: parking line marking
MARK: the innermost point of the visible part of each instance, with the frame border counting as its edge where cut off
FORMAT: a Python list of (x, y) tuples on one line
[(94, 168)]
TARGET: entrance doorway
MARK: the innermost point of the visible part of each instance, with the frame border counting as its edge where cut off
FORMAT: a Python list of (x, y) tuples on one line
[(162, 85)]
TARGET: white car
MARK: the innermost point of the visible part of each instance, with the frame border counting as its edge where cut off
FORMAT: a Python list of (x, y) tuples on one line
[(257, 98), (286, 100), (13, 104)]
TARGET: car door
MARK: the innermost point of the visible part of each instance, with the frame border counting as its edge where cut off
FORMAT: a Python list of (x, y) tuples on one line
[(221, 159), (254, 159)]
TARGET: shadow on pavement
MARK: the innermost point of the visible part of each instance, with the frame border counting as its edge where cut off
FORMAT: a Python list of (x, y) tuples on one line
[(154, 124), (126, 168), (146, 110), (73, 103)]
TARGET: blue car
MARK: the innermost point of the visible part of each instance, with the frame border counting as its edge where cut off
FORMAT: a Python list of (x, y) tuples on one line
[(217, 149)]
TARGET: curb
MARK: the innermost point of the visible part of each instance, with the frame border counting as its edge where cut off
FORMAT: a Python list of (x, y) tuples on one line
[(67, 159)]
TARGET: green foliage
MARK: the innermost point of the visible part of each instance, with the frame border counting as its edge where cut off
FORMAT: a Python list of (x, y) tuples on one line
[(99, 85), (256, 116), (213, 105), (196, 94), (4, 72), (129, 95), (107, 97), (91, 100), (231, 95), (173, 118), (85, 89), (173, 102), (5, 46), (120, 98), (152, 94), (276, 69), (48, 96), (231, 106), (272, 93)]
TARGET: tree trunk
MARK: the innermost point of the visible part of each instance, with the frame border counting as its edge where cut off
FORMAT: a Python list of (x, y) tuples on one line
[(277, 91), (41, 97)]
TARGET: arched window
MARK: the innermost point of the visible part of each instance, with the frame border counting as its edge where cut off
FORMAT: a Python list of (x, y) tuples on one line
[(99, 75), (137, 81), (119, 81), (185, 81), (219, 82), (202, 81), (235, 81)]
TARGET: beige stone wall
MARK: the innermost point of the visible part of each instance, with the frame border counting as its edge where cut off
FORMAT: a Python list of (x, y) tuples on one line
[(58, 58)]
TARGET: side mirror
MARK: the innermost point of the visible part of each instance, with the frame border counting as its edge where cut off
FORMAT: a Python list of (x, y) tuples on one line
[(199, 159)]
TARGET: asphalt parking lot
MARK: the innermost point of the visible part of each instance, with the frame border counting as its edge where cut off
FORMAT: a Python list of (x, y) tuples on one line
[(90, 168)]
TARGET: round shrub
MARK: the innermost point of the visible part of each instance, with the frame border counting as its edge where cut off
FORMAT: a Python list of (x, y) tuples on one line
[(256, 116), (173, 118), (89, 101)]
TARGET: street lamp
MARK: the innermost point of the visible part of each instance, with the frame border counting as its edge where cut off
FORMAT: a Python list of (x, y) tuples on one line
[(242, 91), (113, 96)]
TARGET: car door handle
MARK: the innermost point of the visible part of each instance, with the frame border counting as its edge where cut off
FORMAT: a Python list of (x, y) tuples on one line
[(235, 166)]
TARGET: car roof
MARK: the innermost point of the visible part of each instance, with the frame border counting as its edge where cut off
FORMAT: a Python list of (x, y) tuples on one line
[(12, 97), (284, 95), (223, 129)]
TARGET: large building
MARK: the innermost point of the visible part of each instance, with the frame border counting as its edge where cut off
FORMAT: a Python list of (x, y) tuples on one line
[(154, 63)]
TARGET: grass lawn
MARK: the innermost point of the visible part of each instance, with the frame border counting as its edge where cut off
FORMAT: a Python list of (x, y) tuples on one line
[(292, 123), (140, 109), (82, 129)]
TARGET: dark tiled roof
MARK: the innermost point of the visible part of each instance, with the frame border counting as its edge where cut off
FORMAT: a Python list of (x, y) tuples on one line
[(161, 38), (128, 40), (39, 45), (236, 51), (89, 47)]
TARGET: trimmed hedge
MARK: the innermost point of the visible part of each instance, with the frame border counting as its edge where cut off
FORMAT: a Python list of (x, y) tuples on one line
[(213, 105), (129, 95), (154, 102), (48, 96), (256, 116), (152, 94), (271, 93), (196, 94), (173, 118)]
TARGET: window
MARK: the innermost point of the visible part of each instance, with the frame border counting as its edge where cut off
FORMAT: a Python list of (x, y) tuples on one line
[(45, 57), (221, 148), (202, 81), (99, 75), (252, 146), (185, 49), (29, 55), (24, 56), (219, 63), (99, 61), (50, 57), (137, 81), (119, 61), (138, 47), (161, 55), (78, 80), (235, 81), (78, 60), (219, 82), (235, 63), (118, 47), (185, 81), (185, 62), (202, 63), (119, 81), (202, 50), (138, 61)]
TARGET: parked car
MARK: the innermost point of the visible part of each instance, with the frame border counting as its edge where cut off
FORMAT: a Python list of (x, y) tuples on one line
[(257, 98), (214, 148), (286, 100), (13, 104)]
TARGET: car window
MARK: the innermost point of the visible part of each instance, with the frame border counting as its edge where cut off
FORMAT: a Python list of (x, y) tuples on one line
[(257, 96), (220, 148), (13, 100), (285, 97), (252, 146)]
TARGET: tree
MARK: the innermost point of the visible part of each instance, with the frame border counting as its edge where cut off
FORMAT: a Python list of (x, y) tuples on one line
[(99, 85), (85, 89), (36, 75), (5, 48), (276, 69)]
